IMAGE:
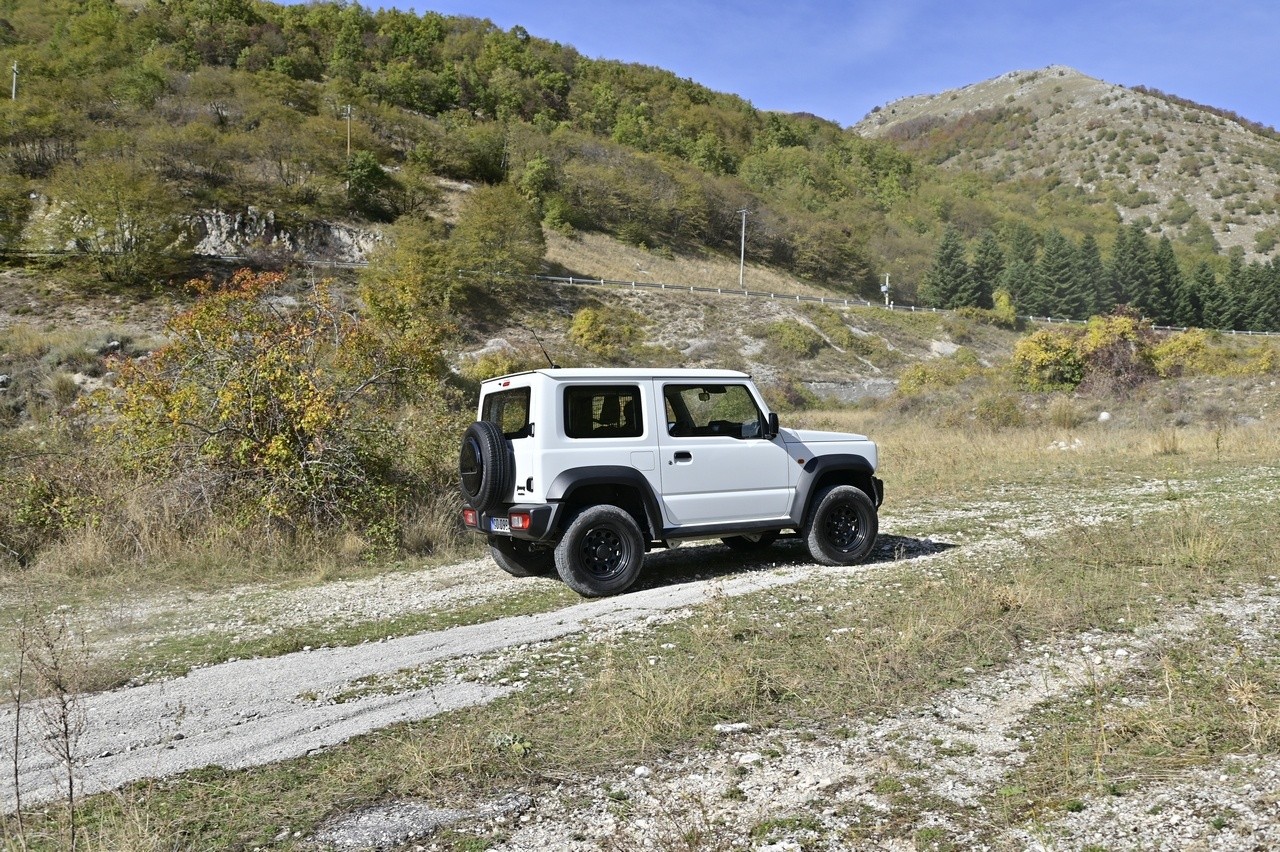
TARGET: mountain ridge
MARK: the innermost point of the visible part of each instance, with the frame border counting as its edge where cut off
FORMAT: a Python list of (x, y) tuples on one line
[(1154, 155)]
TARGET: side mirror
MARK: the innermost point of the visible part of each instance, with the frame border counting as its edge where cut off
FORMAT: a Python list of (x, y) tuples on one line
[(771, 431)]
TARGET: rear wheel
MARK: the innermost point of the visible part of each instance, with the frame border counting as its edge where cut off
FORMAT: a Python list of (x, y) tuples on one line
[(842, 526), (520, 558), (601, 552), (750, 543)]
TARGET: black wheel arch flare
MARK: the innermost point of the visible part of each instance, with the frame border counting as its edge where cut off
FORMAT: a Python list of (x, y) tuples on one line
[(835, 469), (575, 480)]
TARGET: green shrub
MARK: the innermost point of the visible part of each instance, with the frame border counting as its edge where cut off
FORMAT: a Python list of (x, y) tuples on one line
[(1003, 315), (794, 339), (942, 373), (1063, 413), (832, 324), (607, 332), (502, 362), (42, 497), (789, 395)]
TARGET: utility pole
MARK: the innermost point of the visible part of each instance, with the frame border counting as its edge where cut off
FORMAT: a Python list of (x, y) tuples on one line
[(347, 112), (742, 251), (885, 289), (14, 96)]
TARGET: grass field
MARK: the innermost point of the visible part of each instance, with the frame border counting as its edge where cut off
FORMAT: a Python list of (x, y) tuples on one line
[(1042, 533)]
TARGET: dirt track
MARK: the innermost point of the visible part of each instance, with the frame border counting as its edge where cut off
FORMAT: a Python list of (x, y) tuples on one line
[(251, 712)]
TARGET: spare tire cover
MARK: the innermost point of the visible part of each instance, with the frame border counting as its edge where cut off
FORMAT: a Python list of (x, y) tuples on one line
[(485, 465)]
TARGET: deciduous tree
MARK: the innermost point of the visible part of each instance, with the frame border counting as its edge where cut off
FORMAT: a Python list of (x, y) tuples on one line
[(121, 214)]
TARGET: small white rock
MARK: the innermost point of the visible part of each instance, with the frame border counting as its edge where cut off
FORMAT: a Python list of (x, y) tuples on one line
[(642, 772)]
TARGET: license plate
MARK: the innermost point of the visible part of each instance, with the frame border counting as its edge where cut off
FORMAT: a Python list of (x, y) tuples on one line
[(499, 525)]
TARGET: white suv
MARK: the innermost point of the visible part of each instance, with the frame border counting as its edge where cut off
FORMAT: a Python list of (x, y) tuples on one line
[(584, 470)]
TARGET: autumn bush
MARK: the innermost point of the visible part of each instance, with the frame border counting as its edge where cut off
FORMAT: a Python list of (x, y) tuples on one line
[(287, 415), (1003, 315), (1111, 353), (1199, 352)]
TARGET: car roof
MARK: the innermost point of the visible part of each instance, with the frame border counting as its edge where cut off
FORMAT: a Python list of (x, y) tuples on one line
[(629, 373)]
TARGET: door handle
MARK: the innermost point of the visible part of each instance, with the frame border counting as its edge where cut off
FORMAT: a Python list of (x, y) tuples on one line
[(684, 456)]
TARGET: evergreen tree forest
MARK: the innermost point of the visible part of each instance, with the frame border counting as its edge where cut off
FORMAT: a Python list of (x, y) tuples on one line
[(1051, 275)]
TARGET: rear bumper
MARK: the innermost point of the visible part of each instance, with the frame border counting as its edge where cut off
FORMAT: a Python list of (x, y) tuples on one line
[(542, 521)]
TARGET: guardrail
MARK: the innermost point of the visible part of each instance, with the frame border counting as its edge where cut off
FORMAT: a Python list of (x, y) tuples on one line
[(833, 300), (680, 288)]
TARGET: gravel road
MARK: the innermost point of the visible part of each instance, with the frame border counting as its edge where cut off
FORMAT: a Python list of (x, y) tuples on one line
[(250, 712)]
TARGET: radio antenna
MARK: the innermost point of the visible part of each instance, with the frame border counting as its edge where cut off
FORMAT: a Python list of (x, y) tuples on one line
[(534, 334)]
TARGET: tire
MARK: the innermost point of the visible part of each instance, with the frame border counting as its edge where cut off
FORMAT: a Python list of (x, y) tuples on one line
[(601, 552), (520, 559), (751, 543), (842, 526), (485, 465)]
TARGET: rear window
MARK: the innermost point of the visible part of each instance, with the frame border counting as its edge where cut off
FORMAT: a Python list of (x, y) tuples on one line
[(510, 410), (602, 412)]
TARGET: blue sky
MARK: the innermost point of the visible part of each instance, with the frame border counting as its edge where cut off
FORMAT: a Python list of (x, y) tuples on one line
[(839, 59)]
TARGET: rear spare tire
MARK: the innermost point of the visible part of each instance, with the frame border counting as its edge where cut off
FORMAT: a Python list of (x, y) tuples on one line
[(485, 465)]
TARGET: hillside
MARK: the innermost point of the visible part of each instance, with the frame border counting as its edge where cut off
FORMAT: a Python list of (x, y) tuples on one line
[(1191, 172), (149, 134)]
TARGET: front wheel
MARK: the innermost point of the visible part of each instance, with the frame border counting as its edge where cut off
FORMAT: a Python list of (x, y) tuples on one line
[(519, 559), (842, 526), (601, 552)]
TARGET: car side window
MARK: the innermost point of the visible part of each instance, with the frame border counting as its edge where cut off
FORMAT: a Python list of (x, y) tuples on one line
[(611, 411), (712, 410)]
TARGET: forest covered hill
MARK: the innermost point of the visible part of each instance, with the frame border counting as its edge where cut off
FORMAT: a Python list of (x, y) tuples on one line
[(139, 122)]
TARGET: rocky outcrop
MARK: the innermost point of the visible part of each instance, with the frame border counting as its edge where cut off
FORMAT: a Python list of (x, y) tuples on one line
[(248, 232)]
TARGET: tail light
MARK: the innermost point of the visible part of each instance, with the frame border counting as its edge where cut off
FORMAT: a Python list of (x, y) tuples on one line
[(520, 520), (470, 517)]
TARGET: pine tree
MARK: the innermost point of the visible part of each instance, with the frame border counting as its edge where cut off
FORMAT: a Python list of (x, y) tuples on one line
[(1168, 283), (1262, 298), (948, 277), (1091, 277), (1234, 292), (1019, 272), (1023, 243), (1189, 309), (987, 267), (1271, 285), (1133, 269), (1056, 292), (1019, 282)]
